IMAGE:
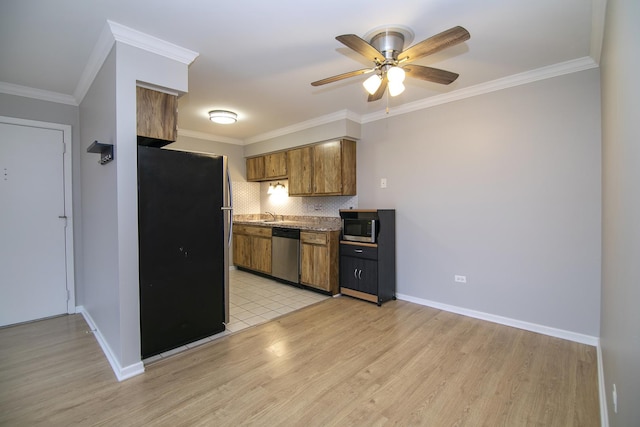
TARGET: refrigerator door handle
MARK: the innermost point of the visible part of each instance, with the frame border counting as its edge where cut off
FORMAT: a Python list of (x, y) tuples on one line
[(229, 208)]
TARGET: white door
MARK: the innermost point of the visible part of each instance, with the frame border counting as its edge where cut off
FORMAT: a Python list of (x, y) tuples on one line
[(33, 281)]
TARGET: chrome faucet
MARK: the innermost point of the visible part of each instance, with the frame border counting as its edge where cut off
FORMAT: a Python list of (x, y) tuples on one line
[(273, 215)]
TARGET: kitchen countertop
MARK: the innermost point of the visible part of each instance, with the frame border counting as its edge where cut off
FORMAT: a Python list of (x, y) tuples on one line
[(311, 223)]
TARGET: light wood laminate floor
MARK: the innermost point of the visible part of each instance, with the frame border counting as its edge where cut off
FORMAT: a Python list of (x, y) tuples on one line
[(339, 362)]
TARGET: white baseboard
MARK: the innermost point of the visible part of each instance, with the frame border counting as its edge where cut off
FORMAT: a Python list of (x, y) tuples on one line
[(122, 373), (604, 412), (533, 327)]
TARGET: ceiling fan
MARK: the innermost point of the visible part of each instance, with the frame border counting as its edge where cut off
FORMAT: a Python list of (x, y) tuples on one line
[(391, 63)]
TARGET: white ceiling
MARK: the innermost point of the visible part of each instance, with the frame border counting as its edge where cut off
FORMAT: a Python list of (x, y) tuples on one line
[(258, 57)]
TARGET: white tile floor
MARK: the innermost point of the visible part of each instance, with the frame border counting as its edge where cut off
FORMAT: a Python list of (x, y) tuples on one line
[(253, 300)]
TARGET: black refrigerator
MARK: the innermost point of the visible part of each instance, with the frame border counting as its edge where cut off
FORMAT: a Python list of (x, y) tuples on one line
[(184, 221)]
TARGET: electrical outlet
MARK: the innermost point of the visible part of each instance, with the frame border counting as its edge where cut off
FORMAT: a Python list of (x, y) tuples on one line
[(383, 182), (460, 279), (615, 399)]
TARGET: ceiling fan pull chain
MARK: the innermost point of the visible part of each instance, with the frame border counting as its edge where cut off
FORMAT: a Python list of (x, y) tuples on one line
[(387, 99)]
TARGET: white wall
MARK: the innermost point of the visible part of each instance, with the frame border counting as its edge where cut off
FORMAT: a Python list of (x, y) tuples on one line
[(503, 188), (620, 328)]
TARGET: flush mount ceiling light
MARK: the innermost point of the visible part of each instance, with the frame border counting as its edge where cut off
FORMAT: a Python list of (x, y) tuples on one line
[(223, 117)]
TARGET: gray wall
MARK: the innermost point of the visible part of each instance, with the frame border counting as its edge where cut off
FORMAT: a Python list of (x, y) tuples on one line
[(338, 129), (503, 188), (99, 206), (45, 111), (620, 336)]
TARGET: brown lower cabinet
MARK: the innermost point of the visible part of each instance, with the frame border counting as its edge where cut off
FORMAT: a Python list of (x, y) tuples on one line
[(319, 260), (252, 248), (319, 253)]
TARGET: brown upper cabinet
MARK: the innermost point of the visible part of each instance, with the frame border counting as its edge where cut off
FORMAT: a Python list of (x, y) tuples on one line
[(255, 169), (157, 114), (268, 167), (275, 165), (326, 169), (300, 167)]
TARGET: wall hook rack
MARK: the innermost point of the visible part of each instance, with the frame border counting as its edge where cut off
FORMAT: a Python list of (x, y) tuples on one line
[(105, 151)]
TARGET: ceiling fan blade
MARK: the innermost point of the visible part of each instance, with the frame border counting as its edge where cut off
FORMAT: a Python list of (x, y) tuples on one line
[(380, 91), (430, 74), (341, 76), (361, 46), (445, 39)]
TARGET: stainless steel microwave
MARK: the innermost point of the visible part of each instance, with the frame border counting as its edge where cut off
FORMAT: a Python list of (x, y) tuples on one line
[(359, 229)]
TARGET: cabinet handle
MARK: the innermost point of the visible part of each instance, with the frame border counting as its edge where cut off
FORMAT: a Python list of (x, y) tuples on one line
[(355, 273), (358, 251), (359, 274)]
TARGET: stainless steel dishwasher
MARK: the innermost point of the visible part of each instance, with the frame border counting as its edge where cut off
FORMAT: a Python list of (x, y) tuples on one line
[(285, 254)]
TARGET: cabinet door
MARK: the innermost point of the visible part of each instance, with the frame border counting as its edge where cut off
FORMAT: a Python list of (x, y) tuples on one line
[(359, 274), (275, 165), (315, 266), (261, 254), (348, 167), (349, 272), (368, 276), (299, 167), (255, 169), (157, 114), (242, 250), (327, 168)]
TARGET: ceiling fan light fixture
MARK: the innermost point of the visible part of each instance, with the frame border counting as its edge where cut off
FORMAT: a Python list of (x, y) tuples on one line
[(223, 117), (372, 84), (396, 75), (395, 88)]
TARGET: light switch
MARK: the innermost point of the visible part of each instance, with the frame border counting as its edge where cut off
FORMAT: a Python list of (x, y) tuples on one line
[(383, 183)]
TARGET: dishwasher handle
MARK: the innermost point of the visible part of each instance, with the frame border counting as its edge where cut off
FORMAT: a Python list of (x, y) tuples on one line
[(287, 233)]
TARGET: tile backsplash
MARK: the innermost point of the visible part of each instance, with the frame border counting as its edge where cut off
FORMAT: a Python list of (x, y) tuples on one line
[(252, 198), (246, 197)]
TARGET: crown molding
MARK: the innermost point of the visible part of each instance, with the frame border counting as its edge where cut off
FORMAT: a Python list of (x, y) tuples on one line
[(543, 73), (329, 118), (99, 54), (111, 33), (114, 32), (152, 44), (598, 15), (43, 95), (209, 137)]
